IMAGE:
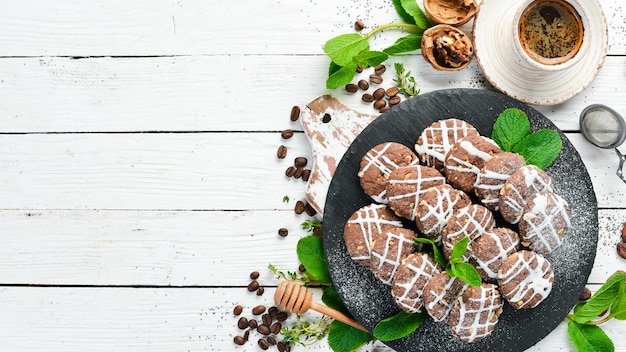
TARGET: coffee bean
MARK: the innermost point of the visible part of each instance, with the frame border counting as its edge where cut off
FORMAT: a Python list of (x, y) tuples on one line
[(253, 286), (359, 25), (258, 310), (376, 79), (363, 84), (246, 335), (242, 323), (306, 174), (301, 268), (281, 153), (624, 233), (260, 291), (391, 92), (272, 340), (299, 208), (275, 328), (352, 88), (318, 231), (384, 109), (621, 249), (263, 344), (295, 113), (286, 134), (379, 104), (326, 118), (300, 161), (263, 330), (359, 69), (281, 346), (310, 211), (267, 319), (281, 316), (298, 173), (380, 69), (585, 295), (237, 310), (283, 232), (379, 93), (254, 275), (273, 310), (394, 100), (291, 170), (368, 98), (239, 340), (252, 323)]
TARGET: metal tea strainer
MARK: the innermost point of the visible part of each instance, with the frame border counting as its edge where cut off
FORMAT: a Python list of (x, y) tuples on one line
[(604, 128)]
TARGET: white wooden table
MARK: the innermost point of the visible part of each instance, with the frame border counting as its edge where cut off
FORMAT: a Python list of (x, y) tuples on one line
[(139, 182)]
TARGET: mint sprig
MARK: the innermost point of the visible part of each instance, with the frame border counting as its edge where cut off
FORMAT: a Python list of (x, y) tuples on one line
[(398, 326), (458, 268)]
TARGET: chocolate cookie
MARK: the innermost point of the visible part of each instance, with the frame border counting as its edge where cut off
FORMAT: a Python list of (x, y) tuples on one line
[(363, 226), (377, 164), (545, 222), (407, 286), (388, 250), (406, 184), (471, 221), (525, 279), (439, 295), (435, 208), (475, 313), (518, 188), (466, 158), (437, 139), (493, 175), (489, 251)]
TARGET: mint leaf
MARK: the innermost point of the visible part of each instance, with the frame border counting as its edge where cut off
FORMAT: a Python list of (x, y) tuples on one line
[(467, 273), (540, 148), (343, 48), (618, 308), (398, 326), (459, 249), (412, 8), (439, 257), (333, 68), (402, 13), (331, 298), (589, 338), (601, 300), (340, 76), (343, 337), (405, 44), (511, 126), (310, 252), (370, 58)]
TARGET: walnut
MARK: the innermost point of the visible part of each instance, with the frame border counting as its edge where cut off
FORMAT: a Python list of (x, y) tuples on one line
[(447, 48), (452, 12)]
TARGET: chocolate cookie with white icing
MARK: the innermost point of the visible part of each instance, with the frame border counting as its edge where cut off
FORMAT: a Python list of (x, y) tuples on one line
[(407, 286), (439, 295), (437, 139), (465, 160), (388, 250), (545, 222), (406, 185), (489, 251), (518, 188), (525, 279), (436, 207), (475, 312), (493, 175), (471, 221)]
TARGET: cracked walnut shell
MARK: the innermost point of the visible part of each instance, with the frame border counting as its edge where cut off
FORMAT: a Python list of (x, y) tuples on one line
[(447, 48), (451, 12)]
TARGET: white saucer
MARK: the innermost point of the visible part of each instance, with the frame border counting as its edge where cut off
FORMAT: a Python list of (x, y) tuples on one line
[(509, 73)]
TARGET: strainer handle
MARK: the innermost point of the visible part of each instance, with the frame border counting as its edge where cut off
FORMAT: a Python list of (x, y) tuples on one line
[(620, 168)]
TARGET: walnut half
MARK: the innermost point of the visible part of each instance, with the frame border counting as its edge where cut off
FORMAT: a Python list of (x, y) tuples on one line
[(447, 48), (452, 12)]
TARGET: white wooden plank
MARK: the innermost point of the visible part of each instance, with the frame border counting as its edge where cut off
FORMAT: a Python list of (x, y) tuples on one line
[(170, 27), (146, 319), (209, 93), (165, 248)]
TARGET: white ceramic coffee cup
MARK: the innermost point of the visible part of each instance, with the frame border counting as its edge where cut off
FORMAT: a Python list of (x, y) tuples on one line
[(543, 66)]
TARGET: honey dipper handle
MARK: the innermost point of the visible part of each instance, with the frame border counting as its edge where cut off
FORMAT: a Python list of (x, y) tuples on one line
[(337, 315)]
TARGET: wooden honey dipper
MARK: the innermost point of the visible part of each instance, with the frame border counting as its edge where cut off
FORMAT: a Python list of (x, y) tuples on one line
[(295, 298)]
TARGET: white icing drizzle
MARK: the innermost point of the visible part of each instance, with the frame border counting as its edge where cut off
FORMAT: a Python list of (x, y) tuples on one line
[(535, 283), (467, 217), (439, 299), (472, 312), (442, 209), (454, 163), (534, 182), (383, 258), (418, 190), (411, 298), (549, 209), (429, 150), (493, 182), (377, 158), (369, 222), (497, 257)]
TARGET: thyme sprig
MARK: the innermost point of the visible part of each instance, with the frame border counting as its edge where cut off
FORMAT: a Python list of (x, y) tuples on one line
[(406, 83)]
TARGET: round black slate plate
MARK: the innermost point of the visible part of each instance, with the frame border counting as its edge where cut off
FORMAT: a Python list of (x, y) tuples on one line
[(370, 301)]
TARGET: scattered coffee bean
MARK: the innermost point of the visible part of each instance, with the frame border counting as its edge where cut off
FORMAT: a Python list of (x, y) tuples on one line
[(394, 100), (363, 84), (258, 310), (253, 286), (352, 88), (239, 340), (253, 324), (254, 275), (263, 330), (281, 153), (273, 310), (286, 134), (359, 69), (384, 109), (300, 161), (392, 92), (263, 344), (260, 291), (624, 233), (281, 316), (283, 232), (621, 249), (298, 173), (290, 171), (306, 174), (359, 25), (379, 104), (282, 347), (367, 97), (376, 79), (272, 340), (267, 319), (275, 328), (380, 69), (299, 208), (242, 323), (301, 268), (326, 118), (379, 93), (318, 231), (237, 310), (246, 335), (585, 295), (310, 211), (295, 113)]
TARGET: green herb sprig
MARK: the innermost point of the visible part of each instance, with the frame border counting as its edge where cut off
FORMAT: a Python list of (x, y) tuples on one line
[(405, 82), (347, 52)]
